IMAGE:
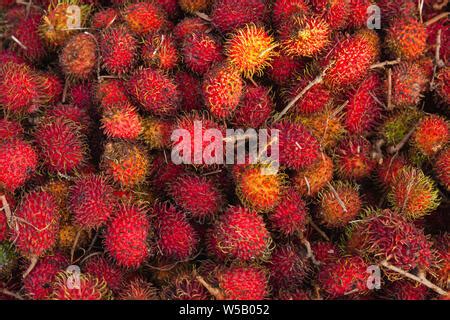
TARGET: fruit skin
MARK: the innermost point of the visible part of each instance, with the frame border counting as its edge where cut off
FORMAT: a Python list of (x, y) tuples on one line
[(200, 51), (154, 91), (90, 288), (18, 162), (343, 276), (78, 58), (61, 146), (255, 107), (28, 34), (191, 6), (176, 237), (39, 234), (184, 286), (442, 84), (406, 38), (8, 259), (390, 169), (103, 19), (309, 181), (161, 51), (188, 26), (144, 17), (250, 49), (138, 289), (243, 283), (121, 121), (103, 269), (118, 49), (156, 132), (284, 9), (290, 215), (74, 113), (297, 147), (431, 135), (126, 236), (313, 101), (442, 168), (325, 252), (38, 283), (91, 201), (112, 92), (198, 196), (397, 125), (358, 12), (353, 160), (81, 95), (190, 89), (240, 234), (284, 68), (52, 87), (126, 163), (331, 210), (406, 290), (222, 89), (335, 12), (413, 194), (20, 91)]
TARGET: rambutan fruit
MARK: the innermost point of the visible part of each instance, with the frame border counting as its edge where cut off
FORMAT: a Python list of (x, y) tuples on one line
[(8, 259), (259, 191), (184, 286), (68, 234), (442, 84), (122, 122), (389, 170), (340, 204), (88, 288), (160, 51), (335, 12), (156, 132), (54, 26), (353, 159), (241, 234), (250, 50), (118, 49), (304, 36), (200, 51), (290, 215), (397, 8), (255, 107), (297, 294), (406, 290), (297, 146), (18, 162), (197, 195), (91, 201), (325, 252), (27, 32), (442, 168), (431, 135), (176, 237), (363, 110), (285, 9), (345, 276), (442, 268), (188, 26), (288, 267), (408, 83), (163, 173), (61, 145), (20, 90), (190, 89), (77, 115), (228, 15), (406, 38), (78, 57), (154, 91), (36, 224), (103, 269), (126, 163), (111, 92), (171, 7), (52, 87), (59, 189), (358, 13), (191, 6), (284, 68), (313, 101), (105, 18), (9, 56), (309, 181), (350, 60), (222, 89), (38, 283), (397, 125), (81, 95), (144, 17), (413, 194), (138, 289), (126, 236)]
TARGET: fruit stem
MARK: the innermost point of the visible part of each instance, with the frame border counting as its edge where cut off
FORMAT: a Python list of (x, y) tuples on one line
[(389, 97), (309, 252), (316, 227), (385, 63), (436, 18), (74, 246), (338, 198), (33, 262), (203, 16), (6, 292), (213, 291), (401, 144)]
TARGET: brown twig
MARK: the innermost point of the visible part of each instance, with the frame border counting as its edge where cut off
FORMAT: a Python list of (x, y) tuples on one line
[(389, 97), (33, 262), (213, 291), (436, 18), (336, 195), (401, 144), (377, 153), (6, 292), (203, 16), (319, 231), (74, 246), (385, 64), (309, 252)]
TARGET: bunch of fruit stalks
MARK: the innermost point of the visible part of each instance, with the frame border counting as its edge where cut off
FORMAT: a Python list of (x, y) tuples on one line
[(91, 91)]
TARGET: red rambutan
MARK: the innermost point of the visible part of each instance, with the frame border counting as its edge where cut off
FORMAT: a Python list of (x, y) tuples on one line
[(442, 168), (353, 159), (285, 9), (121, 121), (103, 269), (138, 289), (87, 288), (255, 107), (104, 18), (406, 38), (408, 83), (190, 89), (200, 51), (144, 17), (27, 32), (161, 51), (284, 68), (431, 135), (188, 26)]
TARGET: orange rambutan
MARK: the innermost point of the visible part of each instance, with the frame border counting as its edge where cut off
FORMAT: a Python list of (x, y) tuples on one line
[(431, 135), (406, 38), (309, 181)]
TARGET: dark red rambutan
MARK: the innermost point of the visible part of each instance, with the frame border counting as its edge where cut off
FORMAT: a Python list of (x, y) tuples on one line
[(126, 163), (32, 47), (397, 8), (10, 129), (190, 89), (406, 290), (431, 135), (9, 56), (138, 289), (87, 288), (345, 276), (200, 51), (38, 283), (78, 58), (290, 215), (358, 13), (184, 286), (121, 121), (126, 236), (105, 18), (309, 181), (293, 295), (335, 12), (442, 168), (164, 172), (255, 107), (161, 51), (118, 49), (91, 201), (61, 145), (188, 26), (154, 91), (20, 90), (197, 195), (297, 147), (52, 87), (284, 9), (284, 69), (176, 237), (353, 159), (111, 92), (443, 84), (325, 252), (171, 7), (363, 110), (36, 224), (18, 162), (388, 171), (313, 101), (103, 269), (77, 115), (433, 31), (288, 267), (408, 83), (144, 17), (241, 234), (406, 38), (81, 95)]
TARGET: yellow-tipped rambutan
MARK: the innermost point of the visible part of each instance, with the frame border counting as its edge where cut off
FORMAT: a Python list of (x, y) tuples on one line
[(431, 135), (309, 181), (406, 38), (156, 132)]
